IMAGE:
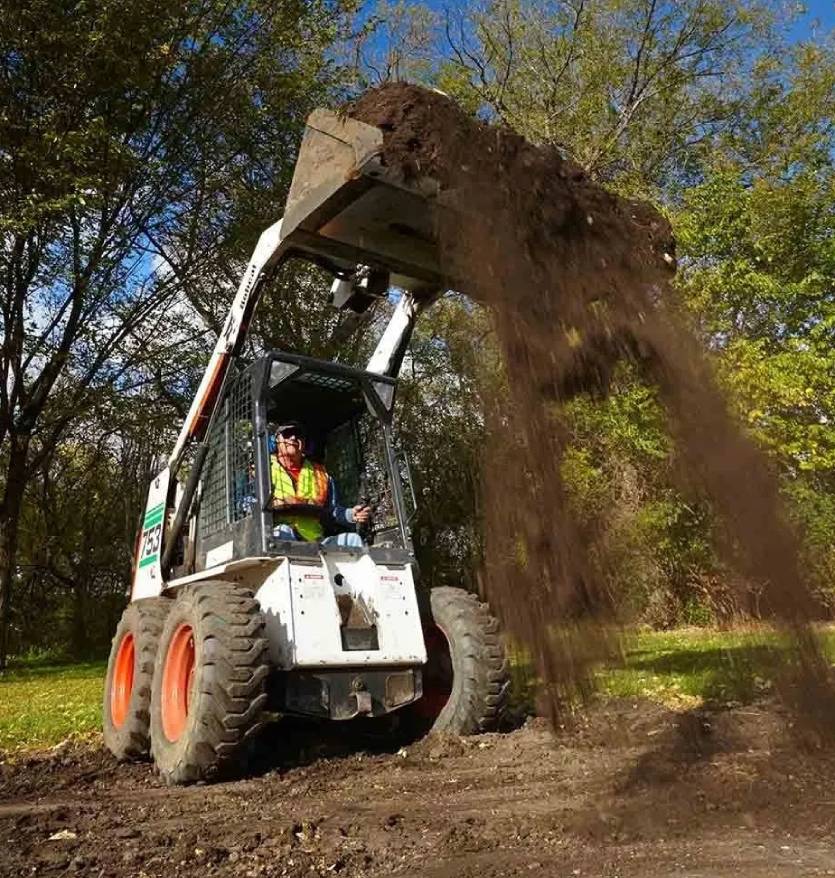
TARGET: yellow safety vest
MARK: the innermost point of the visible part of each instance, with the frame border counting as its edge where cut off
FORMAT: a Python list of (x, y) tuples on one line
[(310, 490)]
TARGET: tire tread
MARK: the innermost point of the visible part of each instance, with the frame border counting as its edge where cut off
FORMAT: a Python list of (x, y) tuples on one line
[(233, 652), (144, 619), (480, 696)]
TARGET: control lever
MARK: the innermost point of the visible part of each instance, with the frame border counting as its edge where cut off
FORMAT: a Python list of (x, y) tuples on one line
[(365, 530)]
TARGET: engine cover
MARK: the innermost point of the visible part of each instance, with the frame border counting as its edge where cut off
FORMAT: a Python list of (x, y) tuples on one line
[(341, 611)]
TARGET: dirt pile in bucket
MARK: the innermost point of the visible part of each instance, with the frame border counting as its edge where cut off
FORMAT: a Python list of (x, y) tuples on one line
[(578, 279)]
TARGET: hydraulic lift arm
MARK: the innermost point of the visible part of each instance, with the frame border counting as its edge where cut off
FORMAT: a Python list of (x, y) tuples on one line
[(268, 255)]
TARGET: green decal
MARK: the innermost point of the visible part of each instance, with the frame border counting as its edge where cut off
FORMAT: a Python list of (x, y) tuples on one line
[(150, 521), (146, 561), (152, 516)]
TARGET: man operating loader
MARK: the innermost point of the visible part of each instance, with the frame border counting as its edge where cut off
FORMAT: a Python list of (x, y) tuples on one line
[(228, 622), (304, 495)]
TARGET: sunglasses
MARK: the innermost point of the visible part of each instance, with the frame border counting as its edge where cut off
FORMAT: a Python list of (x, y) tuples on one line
[(290, 433)]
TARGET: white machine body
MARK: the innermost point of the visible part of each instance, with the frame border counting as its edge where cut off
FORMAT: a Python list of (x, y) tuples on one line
[(300, 602)]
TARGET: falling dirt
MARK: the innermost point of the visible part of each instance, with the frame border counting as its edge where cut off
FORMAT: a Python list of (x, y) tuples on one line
[(578, 279), (632, 790)]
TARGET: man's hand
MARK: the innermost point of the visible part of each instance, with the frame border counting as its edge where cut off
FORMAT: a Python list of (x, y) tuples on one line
[(362, 514)]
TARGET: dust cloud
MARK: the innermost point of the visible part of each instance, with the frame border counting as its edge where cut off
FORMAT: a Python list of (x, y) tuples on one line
[(578, 279)]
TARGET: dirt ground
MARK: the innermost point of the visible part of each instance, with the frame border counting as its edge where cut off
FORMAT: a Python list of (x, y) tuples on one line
[(634, 789)]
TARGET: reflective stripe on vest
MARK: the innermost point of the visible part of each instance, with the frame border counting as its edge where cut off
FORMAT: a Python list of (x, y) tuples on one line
[(311, 489)]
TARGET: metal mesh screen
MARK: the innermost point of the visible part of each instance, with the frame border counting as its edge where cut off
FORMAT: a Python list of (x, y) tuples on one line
[(213, 494), (228, 483), (343, 461), (242, 498), (378, 485), (333, 382), (355, 458)]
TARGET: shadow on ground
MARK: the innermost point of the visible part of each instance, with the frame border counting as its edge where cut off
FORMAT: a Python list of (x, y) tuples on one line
[(738, 674)]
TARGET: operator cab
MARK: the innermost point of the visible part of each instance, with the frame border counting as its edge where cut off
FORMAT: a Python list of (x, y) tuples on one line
[(347, 416)]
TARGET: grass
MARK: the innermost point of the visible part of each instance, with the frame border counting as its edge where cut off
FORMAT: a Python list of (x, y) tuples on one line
[(684, 668), (689, 667), (43, 702)]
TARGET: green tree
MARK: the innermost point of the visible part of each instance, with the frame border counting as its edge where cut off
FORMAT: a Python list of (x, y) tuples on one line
[(759, 276), (397, 42), (441, 423), (136, 143), (630, 89), (77, 530)]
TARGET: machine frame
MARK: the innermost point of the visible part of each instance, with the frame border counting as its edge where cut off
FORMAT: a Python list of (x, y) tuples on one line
[(251, 535), (219, 629)]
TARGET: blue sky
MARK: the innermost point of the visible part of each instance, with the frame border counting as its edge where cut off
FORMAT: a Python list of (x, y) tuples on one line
[(814, 18), (819, 14)]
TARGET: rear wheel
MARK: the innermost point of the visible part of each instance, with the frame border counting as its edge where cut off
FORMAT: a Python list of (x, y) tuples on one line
[(127, 690), (465, 680), (209, 683)]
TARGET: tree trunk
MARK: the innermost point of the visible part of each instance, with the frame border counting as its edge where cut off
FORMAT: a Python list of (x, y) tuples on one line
[(79, 640), (15, 487)]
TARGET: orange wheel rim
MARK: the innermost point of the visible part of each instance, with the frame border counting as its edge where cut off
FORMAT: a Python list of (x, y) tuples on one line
[(121, 686), (177, 679)]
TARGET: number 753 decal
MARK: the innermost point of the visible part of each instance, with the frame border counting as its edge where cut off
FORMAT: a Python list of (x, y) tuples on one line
[(150, 544)]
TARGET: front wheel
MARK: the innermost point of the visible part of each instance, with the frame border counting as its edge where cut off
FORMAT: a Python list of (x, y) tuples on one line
[(466, 679), (209, 683)]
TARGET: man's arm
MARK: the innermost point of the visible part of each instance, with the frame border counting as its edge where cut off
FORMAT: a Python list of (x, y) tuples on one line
[(341, 515), (345, 516)]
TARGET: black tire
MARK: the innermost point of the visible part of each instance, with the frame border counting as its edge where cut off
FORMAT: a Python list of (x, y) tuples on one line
[(466, 679), (126, 714), (226, 691)]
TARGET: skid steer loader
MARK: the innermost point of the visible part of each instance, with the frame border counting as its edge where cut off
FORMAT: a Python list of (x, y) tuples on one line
[(229, 620)]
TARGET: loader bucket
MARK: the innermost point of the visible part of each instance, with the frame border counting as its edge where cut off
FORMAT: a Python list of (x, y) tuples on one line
[(345, 206)]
